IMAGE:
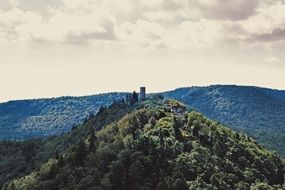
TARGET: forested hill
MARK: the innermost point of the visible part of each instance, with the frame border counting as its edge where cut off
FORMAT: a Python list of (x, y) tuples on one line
[(279, 94), (21, 158), (152, 148), (258, 112), (24, 119)]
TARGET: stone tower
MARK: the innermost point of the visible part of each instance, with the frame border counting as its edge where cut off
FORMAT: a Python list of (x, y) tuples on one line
[(142, 94)]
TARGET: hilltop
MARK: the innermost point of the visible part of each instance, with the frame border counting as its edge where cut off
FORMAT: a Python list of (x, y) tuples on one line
[(147, 146), (258, 112)]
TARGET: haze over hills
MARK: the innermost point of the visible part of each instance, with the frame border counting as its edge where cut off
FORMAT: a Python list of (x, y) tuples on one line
[(147, 146), (219, 137), (24, 119), (258, 112)]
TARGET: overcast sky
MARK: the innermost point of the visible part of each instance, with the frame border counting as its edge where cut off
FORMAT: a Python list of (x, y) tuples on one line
[(77, 47)]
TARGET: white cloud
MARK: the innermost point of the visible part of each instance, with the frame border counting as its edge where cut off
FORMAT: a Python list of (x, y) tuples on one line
[(60, 27), (175, 24), (268, 17), (87, 39), (11, 23)]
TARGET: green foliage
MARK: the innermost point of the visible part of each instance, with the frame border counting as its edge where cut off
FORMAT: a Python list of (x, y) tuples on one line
[(150, 148), (25, 119), (92, 140), (80, 154), (20, 158), (258, 112)]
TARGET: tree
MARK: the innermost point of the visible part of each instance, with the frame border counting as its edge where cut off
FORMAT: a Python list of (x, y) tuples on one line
[(237, 135), (134, 98), (180, 183), (101, 110), (60, 162), (261, 186), (176, 126), (196, 129), (152, 121), (29, 151), (80, 153), (56, 155), (13, 186), (117, 175), (52, 171), (92, 140), (136, 172)]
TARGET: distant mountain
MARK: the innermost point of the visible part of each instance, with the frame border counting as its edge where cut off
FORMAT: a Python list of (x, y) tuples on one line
[(147, 146), (279, 94), (258, 112), (24, 119)]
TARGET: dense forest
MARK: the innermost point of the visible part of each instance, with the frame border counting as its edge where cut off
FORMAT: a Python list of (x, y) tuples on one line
[(25, 119), (258, 112), (147, 146), (20, 158)]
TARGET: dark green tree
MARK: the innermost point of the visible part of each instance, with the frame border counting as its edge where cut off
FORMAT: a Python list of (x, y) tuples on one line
[(134, 98), (80, 153), (29, 150), (92, 140), (176, 126), (60, 162)]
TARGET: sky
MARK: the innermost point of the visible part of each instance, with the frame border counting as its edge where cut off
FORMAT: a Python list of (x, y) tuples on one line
[(51, 48)]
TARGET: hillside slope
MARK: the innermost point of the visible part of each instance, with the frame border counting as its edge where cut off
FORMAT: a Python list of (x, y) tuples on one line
[(279, 94), (20, 158), (257, 112), (26, 119), (151, 148)]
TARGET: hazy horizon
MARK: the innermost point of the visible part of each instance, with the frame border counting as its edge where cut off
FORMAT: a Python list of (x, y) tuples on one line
[(135, 89), (79, 47)]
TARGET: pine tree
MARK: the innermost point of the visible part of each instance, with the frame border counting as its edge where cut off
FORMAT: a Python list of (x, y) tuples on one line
[(80, 153), (12, 187), (56, 155), (92, 140), (60, 162), (176, 127), (134, 98)]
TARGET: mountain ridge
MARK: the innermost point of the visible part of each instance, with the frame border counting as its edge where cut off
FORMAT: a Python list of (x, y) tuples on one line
[(45, 117), (252, 110), (259, 112), (151, 147)]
